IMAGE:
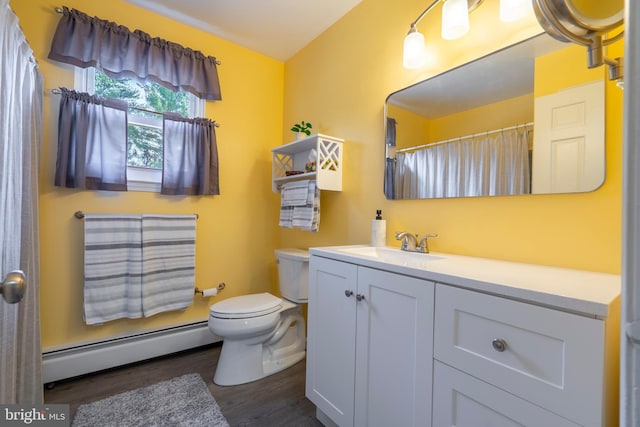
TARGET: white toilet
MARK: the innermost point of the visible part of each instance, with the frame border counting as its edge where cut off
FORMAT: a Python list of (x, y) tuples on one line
[(263, 334)]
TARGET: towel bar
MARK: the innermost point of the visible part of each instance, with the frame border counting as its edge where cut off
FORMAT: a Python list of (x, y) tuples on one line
[(80, 215)]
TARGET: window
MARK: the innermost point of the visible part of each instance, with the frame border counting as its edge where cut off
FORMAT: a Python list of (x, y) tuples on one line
[(147, 102)]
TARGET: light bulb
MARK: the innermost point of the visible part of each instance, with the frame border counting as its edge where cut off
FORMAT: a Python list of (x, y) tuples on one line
[(455, 19), (512, 10), (413, 54)]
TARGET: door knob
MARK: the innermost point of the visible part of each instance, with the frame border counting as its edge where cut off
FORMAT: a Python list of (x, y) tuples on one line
[(13, 286)]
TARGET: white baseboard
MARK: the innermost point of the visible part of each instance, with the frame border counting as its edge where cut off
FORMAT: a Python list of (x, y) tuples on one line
[(84, 359)]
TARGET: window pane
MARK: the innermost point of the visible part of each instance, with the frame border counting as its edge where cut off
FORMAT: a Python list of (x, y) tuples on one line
[(148, 96), (145, 146), (145, 140)]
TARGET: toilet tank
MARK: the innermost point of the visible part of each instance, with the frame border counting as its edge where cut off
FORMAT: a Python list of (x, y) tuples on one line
[(293, 273)]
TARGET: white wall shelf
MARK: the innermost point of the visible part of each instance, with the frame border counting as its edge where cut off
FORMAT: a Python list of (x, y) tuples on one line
[(295, 155)]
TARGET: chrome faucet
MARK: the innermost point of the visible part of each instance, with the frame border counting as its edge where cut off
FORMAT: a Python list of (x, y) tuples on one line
[(424, 244), (410, 242)]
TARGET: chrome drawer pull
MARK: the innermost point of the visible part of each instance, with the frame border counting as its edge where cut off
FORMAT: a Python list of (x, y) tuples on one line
[(348, 293), (499, 344)]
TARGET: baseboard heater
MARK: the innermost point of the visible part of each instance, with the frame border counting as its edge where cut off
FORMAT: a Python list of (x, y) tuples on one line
[(84, 359)]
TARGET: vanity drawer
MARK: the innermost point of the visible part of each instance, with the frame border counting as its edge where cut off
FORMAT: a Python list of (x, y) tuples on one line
[(548, 357), (461, 400)]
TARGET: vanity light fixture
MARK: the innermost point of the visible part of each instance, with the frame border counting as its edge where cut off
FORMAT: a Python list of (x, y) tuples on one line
[(512, 10), (455, 24), (455, 19)]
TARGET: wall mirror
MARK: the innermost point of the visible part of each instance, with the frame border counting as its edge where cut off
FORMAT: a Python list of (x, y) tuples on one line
[(499, 126)]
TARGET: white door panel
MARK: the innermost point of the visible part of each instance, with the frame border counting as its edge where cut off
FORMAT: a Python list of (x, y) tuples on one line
[(569, 140)]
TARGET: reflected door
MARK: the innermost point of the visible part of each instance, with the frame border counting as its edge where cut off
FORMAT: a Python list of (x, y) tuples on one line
[(569, 141)]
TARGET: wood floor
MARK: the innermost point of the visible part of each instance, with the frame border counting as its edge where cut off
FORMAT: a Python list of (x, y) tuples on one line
[(277, 400)]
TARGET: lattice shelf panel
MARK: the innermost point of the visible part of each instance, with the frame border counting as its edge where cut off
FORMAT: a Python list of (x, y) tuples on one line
[(316, 157)]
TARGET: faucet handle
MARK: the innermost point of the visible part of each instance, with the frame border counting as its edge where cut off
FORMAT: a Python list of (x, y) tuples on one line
[(424, 244)]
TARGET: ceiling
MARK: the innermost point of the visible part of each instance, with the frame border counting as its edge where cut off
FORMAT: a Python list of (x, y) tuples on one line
[(275, 28)]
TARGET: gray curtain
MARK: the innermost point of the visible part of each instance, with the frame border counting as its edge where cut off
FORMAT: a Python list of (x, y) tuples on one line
[(389, 178), (190, 164), (92, 142), (86, 41), (391, 132), (21, 90)]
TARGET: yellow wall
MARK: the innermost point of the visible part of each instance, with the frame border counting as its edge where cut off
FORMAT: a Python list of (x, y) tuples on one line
[(510, 112), (340, 81), (551, 77), (411, 129), (235, 231)]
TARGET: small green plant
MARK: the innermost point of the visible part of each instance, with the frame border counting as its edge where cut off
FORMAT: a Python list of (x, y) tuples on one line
[(303, 127)]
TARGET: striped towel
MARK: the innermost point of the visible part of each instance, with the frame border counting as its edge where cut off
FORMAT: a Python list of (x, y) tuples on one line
[(168, 264), (112, 267), (295, 193), (304, 215)]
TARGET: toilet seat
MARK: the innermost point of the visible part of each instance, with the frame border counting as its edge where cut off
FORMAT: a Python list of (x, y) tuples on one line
[(246, 306)]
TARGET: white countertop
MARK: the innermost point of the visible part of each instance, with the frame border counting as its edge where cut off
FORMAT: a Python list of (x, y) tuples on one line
[(587, 293)]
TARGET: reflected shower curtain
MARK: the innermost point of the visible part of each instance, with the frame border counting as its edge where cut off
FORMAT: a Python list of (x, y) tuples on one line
[(486, 165), (20, 135)]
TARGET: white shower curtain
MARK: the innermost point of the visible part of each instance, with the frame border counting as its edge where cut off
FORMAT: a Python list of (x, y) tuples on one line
[(485, 165), (21, 91)]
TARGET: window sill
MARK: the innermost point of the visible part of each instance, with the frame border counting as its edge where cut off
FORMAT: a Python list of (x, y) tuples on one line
[(142, 179)]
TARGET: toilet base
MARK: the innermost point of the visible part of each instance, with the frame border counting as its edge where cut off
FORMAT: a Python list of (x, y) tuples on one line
[(247, 360)]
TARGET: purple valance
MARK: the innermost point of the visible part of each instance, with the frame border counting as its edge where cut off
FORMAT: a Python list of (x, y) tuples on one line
[(86, 41)]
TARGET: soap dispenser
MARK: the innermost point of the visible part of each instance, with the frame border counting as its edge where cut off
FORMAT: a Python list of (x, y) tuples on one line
[(378, 230)]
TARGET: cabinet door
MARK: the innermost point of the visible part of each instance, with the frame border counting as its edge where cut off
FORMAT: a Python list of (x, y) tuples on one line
[(331, 338), (551, 358), (461, 400), (394, 350)]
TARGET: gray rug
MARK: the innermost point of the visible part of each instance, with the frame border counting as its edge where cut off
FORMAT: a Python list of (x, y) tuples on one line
[(181, 401)]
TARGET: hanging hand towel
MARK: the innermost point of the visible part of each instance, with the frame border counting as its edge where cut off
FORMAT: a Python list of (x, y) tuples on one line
[(112, 267), (169, 262), (307, 217), (305, 213), (295, 193)]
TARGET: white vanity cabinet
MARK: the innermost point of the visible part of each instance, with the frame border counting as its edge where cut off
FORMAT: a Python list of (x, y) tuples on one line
[(462, 400), (542, 357), (370, 345), (395, 339)]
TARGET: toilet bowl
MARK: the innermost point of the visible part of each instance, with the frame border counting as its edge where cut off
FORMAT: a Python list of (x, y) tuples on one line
[(263, 334)]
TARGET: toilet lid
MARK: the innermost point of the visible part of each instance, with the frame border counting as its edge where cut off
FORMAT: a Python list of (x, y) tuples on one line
[(246, 306)]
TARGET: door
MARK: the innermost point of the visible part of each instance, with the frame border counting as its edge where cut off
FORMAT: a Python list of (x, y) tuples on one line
[(569, 140), (20, 136), (394, 350), (630, 339), (331, 338)]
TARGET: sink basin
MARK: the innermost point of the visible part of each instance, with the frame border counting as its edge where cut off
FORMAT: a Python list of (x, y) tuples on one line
[(392, 255)]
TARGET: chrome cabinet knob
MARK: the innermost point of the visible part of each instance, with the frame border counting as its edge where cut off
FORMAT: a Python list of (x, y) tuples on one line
[(348, 293), (499, 345), (359, 297)]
